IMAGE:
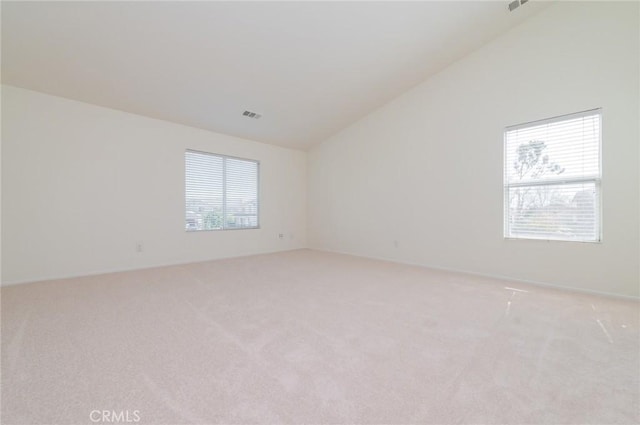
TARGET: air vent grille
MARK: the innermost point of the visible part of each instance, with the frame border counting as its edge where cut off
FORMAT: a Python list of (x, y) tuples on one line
[(515, 4), (250, 114)]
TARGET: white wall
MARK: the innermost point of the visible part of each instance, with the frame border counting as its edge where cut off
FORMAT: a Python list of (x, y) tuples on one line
[(426, 169), (82, 184)]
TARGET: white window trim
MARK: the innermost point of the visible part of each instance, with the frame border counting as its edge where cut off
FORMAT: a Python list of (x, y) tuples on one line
[(548, 182), (224, 191)]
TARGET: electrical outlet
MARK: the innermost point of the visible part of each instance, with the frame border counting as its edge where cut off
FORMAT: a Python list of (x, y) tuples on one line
[(280, 235), (139, 246)]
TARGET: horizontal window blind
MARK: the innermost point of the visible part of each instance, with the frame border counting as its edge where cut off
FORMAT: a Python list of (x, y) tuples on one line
[(552, 178), (221, 192)]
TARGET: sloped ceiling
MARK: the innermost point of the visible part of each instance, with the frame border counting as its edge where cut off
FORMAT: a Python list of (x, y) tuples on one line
[(310, 68)]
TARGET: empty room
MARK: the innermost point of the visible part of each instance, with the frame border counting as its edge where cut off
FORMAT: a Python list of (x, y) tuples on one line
[(299, 212)]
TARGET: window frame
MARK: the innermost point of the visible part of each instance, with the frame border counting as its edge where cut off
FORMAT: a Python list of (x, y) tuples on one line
[(597, 180), (224, 191)]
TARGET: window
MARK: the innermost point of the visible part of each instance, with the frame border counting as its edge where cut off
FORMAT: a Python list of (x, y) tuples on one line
[(221, 192), (552, 178)]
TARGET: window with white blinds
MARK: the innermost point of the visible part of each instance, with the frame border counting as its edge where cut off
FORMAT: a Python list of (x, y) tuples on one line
[(221, 192), (552, 178)]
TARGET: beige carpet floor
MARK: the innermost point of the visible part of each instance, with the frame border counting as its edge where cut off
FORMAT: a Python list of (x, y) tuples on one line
[(312, 337)]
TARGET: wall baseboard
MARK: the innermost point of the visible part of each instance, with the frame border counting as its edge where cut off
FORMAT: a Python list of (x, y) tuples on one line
[(4, 283), (391, 260), (492, 276)]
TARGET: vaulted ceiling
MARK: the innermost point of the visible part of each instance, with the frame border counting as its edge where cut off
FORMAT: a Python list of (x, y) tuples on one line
[(310, 68)]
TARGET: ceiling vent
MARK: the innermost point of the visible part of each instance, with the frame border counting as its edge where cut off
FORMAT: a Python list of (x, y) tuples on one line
[(514, 4), (250, 114)]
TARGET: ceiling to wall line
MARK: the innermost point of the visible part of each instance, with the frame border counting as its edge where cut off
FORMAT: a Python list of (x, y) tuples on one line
[(310, 68)]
